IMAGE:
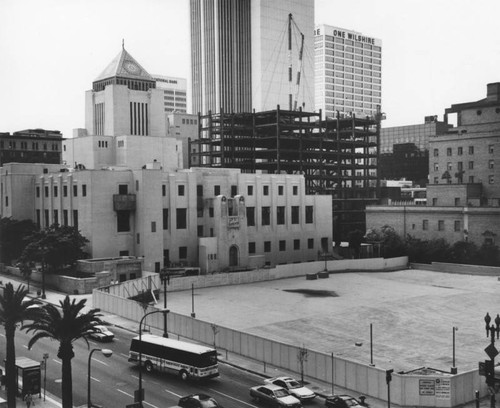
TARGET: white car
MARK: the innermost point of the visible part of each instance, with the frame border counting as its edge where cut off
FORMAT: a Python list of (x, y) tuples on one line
[(293, 386), (102, 333)]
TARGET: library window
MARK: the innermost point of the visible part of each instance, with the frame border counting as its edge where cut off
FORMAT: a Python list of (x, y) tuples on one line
[(181, 215), (425, 225), (448, 151), (491, 164), (65, 191), (296, 244), (295, 214), (75, 191), (122, 221), (46, 191), (266, 215), (490, 149), (457, 226), (180, 189), (55, 191), (267, 246), (165, 218), (153, 226), (460, 151), (280, 215), (84, 190), (234, 191), (199, 190), (471, 149), (295, 190), (491, 179), (183, 252), (38, 191), (251, 216), (440, 225), (250, 190), (310, 243), (251, 248), (471, 165), (282, 245), (216, 190), (265, 190), (163, 190), (281, 189), (436, 152), (309, 214)]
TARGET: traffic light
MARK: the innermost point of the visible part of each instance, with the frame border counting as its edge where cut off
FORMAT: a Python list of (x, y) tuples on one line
[(489, 371), (388, 375)]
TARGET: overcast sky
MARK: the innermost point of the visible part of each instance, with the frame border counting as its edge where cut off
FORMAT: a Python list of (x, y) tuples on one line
[(434, 52)]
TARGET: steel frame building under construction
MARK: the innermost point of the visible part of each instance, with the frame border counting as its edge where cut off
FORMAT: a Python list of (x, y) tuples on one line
[(337, 156)]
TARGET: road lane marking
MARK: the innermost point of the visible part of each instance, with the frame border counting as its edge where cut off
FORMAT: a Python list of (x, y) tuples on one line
[(229, 396), (145, 402), (100, 361), (126, 393), (124, 355), (57, 361), (173, 393), (95, 379)]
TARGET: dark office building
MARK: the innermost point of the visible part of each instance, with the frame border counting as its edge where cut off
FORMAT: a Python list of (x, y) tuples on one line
[(31, 146)]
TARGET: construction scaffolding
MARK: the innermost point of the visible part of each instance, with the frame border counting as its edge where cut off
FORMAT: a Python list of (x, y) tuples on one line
[(337, 156)]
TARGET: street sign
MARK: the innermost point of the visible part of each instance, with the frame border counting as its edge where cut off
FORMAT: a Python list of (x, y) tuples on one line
[(482, 369), (491, 351)]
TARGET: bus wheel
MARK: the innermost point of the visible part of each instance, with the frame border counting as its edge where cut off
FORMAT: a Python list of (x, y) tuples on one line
[(149, 366), (184, 375)]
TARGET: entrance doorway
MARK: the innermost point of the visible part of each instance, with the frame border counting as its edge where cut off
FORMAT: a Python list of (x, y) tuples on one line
[(233, 255)]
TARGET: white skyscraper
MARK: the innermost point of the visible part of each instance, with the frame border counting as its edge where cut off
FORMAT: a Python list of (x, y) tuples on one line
[(348, 72), (245, 54)]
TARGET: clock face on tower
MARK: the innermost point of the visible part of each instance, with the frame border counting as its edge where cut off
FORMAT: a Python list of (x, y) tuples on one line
[(131, 68)]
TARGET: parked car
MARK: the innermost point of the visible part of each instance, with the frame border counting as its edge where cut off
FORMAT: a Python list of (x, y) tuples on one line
[(198, 401), (274, 395), (345, 401), (102, 333), (293, 386)]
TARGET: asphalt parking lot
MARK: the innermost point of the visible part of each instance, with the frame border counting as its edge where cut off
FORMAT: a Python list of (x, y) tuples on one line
[(412, 314)]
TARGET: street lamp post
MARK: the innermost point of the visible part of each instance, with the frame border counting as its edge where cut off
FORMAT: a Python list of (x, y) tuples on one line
[(193, 314), (44, 253), (491, 330), (165, 279), (454, 368), (106, 353), (140, 393)]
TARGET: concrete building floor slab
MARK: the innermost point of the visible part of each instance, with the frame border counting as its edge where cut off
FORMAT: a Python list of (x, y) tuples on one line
[(412, 313)]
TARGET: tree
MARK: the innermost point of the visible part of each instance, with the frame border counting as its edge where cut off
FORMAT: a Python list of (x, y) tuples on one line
[(12, 238), (463, 252), (489, 255), (65, 326), (13, 311), (55, 246), (393, 244)]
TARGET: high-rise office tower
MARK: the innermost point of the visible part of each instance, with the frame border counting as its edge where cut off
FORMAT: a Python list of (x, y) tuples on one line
[(174, 93), (348, 72), (251, 54)]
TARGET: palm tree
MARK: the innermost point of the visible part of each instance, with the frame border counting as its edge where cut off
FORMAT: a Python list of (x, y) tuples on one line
[(65, 326), (14, 311)]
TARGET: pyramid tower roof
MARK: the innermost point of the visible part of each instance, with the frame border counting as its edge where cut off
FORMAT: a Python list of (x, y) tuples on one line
[(124, 65)]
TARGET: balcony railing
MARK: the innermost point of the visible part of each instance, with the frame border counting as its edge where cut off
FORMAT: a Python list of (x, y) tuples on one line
[(124, 202)]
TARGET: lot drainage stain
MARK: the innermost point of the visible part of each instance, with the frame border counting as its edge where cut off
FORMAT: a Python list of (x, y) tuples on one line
[(313, 292)]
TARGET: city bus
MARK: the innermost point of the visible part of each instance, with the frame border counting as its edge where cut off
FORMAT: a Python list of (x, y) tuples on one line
[(187, 360)]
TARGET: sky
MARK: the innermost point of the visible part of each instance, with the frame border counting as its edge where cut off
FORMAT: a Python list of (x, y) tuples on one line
[(435, 53)]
